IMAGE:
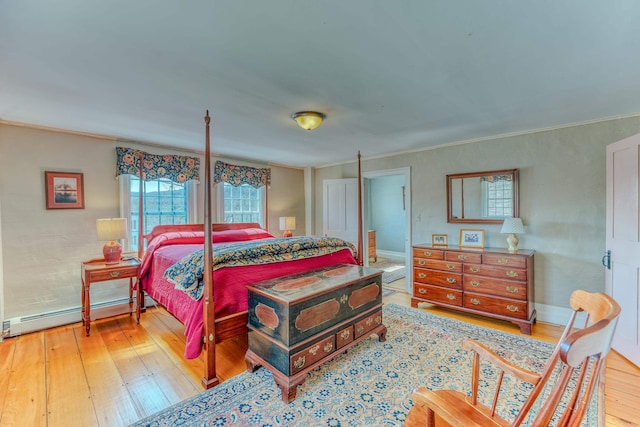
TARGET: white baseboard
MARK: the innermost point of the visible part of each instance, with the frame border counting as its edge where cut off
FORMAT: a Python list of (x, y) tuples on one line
[(37, 322), (390, 254)]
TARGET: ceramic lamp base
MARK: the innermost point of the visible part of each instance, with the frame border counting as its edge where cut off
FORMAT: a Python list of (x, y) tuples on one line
[(112, 252), (287, 233), (512, 241)]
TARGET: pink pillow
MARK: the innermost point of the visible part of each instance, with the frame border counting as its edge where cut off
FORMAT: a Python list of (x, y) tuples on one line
[(240, 235)]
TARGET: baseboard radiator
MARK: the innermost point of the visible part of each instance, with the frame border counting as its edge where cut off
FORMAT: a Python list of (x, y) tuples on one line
[(37, 322)]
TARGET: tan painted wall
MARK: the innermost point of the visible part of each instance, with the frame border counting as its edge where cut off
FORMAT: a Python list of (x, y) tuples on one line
[(562, 197), (42, 249)]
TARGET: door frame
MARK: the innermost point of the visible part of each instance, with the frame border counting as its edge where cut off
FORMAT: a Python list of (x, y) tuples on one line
[(406, 172)]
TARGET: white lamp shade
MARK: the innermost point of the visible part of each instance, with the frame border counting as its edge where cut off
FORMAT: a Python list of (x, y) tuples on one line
[(111, 228), (512, 226), (287, 223)]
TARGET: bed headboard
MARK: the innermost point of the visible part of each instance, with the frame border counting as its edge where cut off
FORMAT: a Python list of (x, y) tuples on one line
[(159, 229)]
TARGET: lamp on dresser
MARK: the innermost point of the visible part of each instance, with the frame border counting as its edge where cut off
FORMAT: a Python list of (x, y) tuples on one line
[(512, 227), (111, 230), (287, 223)]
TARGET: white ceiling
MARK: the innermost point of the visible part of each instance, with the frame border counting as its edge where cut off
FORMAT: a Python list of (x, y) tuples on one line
[(391, 75)]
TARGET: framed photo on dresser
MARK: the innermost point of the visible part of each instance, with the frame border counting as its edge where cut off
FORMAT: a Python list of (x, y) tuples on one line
[(64, 190), (439, 240), (471, 238)]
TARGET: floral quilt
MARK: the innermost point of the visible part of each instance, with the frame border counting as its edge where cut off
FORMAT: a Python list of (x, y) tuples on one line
[(187, 274)]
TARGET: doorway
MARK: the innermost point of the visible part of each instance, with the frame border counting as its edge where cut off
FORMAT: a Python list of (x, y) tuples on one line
[(387, 213)]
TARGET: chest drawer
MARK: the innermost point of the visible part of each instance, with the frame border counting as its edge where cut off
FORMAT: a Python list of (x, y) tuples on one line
[(438, 265), (487, 285), (440, 278), (428, 253), (498, 272), (438, 294), (504, 260), (122, 273), (496, 305), (344, 337), (463, 257), (368, 323), (311, 354)]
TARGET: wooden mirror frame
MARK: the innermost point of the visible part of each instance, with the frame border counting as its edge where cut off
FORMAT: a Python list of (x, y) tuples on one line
[(451, 177)]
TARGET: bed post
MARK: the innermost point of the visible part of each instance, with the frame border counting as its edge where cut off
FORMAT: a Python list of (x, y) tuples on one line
[(360, 250), (140, 209), (209, 379)]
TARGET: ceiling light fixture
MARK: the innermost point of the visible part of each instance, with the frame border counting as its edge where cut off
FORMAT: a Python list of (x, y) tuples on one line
[(308, 120)]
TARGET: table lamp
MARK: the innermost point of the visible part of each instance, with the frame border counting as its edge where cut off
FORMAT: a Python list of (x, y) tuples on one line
[(111, 230), (287, 223), (512, 226)]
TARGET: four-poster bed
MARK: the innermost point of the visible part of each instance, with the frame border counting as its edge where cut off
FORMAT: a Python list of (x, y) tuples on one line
[(235, 255)]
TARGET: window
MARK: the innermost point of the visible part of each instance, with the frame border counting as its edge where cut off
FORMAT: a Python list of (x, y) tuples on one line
[(243, 203), (165, 202), (498, 198)]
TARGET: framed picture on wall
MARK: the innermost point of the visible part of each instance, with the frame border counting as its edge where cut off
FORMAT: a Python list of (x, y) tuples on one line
[(439, 240), (64, 190), (471, 238)]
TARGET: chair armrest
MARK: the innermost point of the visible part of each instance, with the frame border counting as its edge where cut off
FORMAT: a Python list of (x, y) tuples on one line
[(502, 363), (451, 412)]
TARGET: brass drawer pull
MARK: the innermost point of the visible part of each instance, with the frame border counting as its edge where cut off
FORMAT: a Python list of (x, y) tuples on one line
[(378, 320), (475, 269), (313, 350), (451, 266), (451, 280), (369, 321), (360, 329), (114, 274), (422, 291), (462, 257), (512, 289), (345, 334), (512, 274), (421, 275), (299, 363), (475, 301), (512, 308), (475, 283), (427, 253), (422, 262), (328, 347), (451, 297), (503, 261)]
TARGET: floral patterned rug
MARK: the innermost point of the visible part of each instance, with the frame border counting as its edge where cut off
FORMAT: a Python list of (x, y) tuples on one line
[(371, 384)]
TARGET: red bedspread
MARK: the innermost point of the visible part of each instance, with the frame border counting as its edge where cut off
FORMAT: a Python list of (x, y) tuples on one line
[(230, 294)]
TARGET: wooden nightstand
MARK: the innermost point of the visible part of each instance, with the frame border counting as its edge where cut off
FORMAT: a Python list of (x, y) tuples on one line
[(96, 270)]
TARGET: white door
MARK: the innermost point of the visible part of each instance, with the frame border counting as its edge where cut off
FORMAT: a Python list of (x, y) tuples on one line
[(340, 209), (623, 242)]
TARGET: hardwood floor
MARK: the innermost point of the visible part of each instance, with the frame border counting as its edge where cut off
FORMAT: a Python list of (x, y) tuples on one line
[(124, 372)]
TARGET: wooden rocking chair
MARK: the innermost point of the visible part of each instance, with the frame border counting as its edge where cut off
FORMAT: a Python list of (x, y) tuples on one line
[(583, 349)]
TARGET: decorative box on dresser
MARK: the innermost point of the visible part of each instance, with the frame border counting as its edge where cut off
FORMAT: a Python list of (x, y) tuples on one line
[(490, 282)]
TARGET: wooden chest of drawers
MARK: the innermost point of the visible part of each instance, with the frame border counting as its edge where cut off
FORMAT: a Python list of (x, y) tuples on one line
[(300, 321), (371, 239), (490, 282)]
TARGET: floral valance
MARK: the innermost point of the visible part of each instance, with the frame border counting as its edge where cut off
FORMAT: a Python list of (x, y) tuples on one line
[(238, 175), (157, 166), (495, 178)]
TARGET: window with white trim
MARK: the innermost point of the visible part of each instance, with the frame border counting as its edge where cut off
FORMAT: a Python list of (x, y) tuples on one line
[(165, 202), (497, 198), (242, 203)]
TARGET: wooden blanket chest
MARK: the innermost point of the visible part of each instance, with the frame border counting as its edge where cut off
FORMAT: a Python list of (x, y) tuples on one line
[(300, 321)]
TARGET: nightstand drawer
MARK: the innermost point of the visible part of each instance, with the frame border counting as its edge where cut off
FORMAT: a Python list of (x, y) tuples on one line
[(120, 273)]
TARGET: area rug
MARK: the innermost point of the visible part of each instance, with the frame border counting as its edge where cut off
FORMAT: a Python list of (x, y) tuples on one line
[(392, 270), (371, 384)]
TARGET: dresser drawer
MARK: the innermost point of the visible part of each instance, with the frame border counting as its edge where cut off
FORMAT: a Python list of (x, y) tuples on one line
[(505, 260), (368, 323), (344, 337), (311, 354), (463, 257), (496, 305), (440, 278), (438, 294), (121, 273), (428, 253), (455, 267), (494, 271), (487, 285)]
